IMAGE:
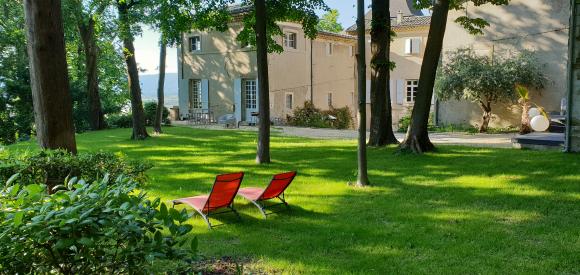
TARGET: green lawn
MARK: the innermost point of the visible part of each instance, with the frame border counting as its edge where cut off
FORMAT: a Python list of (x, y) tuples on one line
[(460, 210)]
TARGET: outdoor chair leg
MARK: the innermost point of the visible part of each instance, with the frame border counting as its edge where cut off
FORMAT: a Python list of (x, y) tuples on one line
[(257, 204), (284, 202)]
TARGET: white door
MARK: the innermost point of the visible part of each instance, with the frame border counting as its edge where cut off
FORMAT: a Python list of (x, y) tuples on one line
[(250, 100)]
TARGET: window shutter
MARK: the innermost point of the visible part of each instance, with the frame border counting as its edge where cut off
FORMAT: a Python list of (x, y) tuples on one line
[(205, 95), (416, 45), (400, 91), (408, 43), (368, 95), (328, 48), (238, 99), (392, 90), (184, 90)]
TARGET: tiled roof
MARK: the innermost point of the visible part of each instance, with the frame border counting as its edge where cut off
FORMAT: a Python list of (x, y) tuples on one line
[(408, 21), (339, 35), (239, 8)]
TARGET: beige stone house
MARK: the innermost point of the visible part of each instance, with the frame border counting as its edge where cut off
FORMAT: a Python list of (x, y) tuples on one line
[(217, 74), (407, 51), (537, 25)]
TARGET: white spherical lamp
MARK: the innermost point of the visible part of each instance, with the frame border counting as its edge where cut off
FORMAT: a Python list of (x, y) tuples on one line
[(533, 112), (540, 123)]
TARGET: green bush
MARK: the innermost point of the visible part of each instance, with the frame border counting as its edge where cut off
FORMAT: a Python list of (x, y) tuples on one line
[(405, 121), (150, 108), (310, 116), (53, 167), (119, 121), (97, 228)]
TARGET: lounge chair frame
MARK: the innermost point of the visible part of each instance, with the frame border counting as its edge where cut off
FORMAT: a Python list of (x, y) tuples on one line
[(263, 207), (208, 211)]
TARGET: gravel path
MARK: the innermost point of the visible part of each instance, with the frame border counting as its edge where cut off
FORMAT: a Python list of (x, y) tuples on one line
[(475, 140)]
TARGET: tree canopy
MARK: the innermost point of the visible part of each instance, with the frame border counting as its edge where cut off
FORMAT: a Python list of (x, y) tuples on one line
[(487, 80), (329, 22)]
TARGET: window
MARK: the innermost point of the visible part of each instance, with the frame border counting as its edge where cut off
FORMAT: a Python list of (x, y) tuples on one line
[(329, 99), (195, 93), (412, 86), (289, 101), (412, 46), (290, 40), (329, 48), (251, 93), (195, 43)]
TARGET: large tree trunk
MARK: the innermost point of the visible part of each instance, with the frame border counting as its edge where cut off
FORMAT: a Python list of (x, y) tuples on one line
[(263, 154), (486, 117), (160, 86), (381, 113), (139, 130), (49, 75), (87, 33), (417, 138), (362, 177)]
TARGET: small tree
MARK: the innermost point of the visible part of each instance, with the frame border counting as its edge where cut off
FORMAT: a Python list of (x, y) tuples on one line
[(486, 81), (329, 22)]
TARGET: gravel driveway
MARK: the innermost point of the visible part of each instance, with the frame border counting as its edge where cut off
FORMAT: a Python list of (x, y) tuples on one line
[(476, 140)]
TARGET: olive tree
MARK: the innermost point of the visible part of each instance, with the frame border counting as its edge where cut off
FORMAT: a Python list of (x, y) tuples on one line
[(487, 80)]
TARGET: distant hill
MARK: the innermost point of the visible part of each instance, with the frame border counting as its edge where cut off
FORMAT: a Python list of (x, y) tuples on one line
[(149, 88)]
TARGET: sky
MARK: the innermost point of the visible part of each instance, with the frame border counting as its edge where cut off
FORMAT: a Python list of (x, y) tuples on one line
[(147, 46)]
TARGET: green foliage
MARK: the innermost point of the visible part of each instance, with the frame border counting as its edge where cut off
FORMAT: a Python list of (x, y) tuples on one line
[(329, 22), (119, 120), (405, 121), (215, 14), (52, 167), (474, 26), (310, 116), (150, 108), (102, 227), (481, 79)]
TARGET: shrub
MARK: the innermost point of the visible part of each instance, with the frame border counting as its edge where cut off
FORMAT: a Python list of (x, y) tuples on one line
[(119, 121), (90, 229), (150, 108), (52, 167), (310, 116), (405, 121)]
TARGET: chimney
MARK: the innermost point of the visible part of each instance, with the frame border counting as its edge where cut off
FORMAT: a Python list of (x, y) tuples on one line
[(399, 17)]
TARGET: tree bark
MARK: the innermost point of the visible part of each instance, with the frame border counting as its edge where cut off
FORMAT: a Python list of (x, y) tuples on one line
[(486, 117), (160, 87), (87, 33), (49, 75), (525, 128), (381, 112), (137, 113), (417, 138), (362, 176), (263, 152)]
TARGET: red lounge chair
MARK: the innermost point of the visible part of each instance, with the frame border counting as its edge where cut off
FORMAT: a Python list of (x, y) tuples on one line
[(221, 196), (275, 189)]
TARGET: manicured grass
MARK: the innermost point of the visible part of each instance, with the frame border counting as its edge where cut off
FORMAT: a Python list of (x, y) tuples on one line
[(459, 211)]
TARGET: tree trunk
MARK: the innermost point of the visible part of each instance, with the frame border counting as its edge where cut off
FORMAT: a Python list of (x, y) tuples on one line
[(381, 112), (486, 108), (362, 177), (87, 33), (417, 138), (137, 113), (525, 128), (160, 87), (49, 75), (263, 154)]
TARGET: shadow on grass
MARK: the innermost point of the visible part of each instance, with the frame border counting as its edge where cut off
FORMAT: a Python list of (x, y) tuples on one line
[(460, 210)]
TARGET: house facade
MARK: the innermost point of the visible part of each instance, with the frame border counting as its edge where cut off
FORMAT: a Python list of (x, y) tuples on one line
[(407, 51), (540, 26), (573, 118), (218, 75)]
